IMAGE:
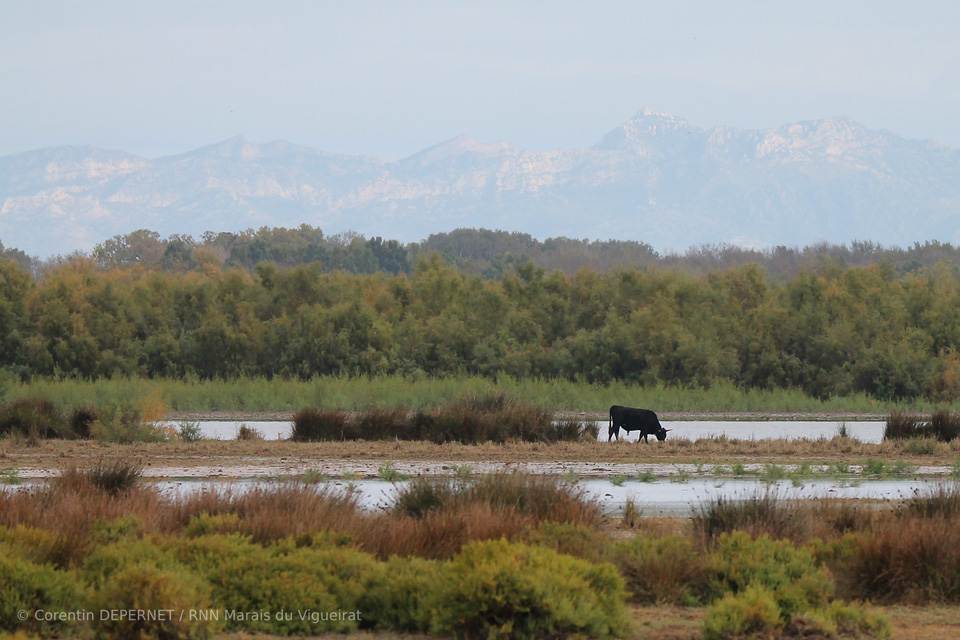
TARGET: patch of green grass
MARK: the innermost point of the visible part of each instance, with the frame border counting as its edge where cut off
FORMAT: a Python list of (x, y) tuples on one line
[(739, 469), (647, 475), (840, 468), (618, 480), (390, 473), (10, 476), (773, 472), (901, 468), (462, 471), (313, 476), (874, 467)]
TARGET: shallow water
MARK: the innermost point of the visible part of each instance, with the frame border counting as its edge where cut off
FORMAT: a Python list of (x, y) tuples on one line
[(687, 429), (661, 497)]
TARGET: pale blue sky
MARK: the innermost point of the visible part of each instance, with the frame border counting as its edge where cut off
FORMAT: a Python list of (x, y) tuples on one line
[(391, 78)]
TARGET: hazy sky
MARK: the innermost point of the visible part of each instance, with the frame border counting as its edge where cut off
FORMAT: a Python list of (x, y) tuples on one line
[(390, 78)]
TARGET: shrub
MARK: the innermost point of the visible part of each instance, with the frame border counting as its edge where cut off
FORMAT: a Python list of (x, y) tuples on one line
[(143, 587), (901, 426), (82, 419), (28, 586), (500, 589), (767, 587), (942, 500), (248, 433), (791, 574), (113, 478), (912, 560), (754, 612), (189, 431), (397, 598), (538, 496), (269, 513), (125, 426), (385, 424), (945, 425), (33, 418), (760, 513), (661, 569), (423, 495), (572, 539), (921, 446), (314, 425), (246, 577)]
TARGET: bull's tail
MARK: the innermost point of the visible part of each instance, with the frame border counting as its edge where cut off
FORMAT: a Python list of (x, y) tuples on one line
[(610, 428)]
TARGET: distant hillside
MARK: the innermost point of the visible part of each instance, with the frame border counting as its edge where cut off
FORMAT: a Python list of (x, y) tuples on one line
[(656, 180)]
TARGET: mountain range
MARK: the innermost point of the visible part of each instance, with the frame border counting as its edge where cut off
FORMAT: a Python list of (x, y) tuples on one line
[(656, 178)]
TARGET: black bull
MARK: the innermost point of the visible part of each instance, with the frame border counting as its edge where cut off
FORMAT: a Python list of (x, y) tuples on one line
[(629, 419)]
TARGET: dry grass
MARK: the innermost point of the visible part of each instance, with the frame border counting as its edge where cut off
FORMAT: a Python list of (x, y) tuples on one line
[(54, 453), (79, 504)]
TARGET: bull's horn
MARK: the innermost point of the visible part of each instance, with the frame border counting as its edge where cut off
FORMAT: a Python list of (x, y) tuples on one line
[(668, 429)]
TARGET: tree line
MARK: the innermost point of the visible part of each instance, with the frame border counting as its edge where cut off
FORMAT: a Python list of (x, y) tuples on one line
[(490, 254), (828, 331)]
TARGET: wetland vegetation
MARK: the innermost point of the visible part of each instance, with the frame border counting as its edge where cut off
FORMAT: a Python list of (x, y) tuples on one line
[(391, 354), (502, 555)]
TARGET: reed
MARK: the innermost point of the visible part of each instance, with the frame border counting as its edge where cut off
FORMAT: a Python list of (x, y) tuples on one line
[(33, 418), (945, 425), (760, 513), (390, 392), (902, 426), (315, 425)]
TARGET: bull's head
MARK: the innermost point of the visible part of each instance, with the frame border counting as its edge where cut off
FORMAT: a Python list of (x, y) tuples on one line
[(662, 434)]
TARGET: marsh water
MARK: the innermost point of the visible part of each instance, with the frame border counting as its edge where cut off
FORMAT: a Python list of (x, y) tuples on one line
[(688, 429), (660, 497)]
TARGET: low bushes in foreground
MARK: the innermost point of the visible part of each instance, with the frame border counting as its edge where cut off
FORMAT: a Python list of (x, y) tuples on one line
[(528, 554), (492, 589)]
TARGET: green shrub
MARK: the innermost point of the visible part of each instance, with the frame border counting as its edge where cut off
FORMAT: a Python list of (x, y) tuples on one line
[(189, 431), (141, 588), (125, 426), (921, 446), (397, 598), (109, 531), (38, 545), (500, 589), (246, 577), (106, 560), (740, 561), (770, 588), (29, 586), (753, 612), (572, 539)]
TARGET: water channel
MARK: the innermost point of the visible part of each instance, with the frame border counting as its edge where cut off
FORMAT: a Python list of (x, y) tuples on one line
[(689, 429)]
